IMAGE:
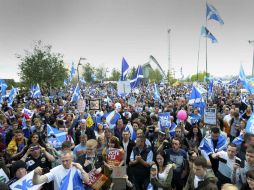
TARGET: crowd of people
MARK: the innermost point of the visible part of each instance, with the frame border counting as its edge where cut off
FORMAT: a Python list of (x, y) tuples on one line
[(188, 154)]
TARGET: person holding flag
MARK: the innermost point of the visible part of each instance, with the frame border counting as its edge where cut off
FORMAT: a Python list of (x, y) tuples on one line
[(68, 176)]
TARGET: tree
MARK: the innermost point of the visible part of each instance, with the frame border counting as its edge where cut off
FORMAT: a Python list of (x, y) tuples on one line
[(100, 73), (115, 75), (155, 75), (88, 71), (132, 72), (200, 77), (42, 66)]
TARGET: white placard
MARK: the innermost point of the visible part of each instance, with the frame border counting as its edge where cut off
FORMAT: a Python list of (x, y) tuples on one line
[(210, 116), (123, 87), (3, 177), (25, 182)]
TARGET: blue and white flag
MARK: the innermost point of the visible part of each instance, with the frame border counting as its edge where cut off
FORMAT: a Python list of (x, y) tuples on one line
[(164, 121), (243, 97), (65, 82), (82, 80), (250, 124), (72, 72), (12, 96), (129, 128), (125, 69), (59, 136), (3, 87), (136, 80), (210, 88), (72, 181), (156, 93), (242, 76), (37, 92), (23, 122), (213, 14), (111, 118), (196, 100), (76, 94), (238, 140), (206, 33)]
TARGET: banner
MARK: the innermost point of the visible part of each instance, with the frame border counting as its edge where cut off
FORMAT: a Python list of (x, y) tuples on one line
[(164, 121), (96, 180), (114, 156), (3, 177), (28, 112), (25, 183), (81, 104), (123, 88), (210, 116)]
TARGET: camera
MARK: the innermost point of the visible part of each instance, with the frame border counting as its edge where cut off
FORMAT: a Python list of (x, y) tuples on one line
[(166, 145)]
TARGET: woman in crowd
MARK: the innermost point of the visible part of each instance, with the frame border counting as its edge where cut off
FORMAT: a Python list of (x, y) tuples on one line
[(195, 135), (249, 185), (100, 131), (161, 172)]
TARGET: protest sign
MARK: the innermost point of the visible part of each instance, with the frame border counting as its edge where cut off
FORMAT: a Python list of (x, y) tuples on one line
[(164, 121), (95, 104), (96, 180), (81, 104), (114, 156), (25, 183), (3, 177), (210, 116), (123, 87)]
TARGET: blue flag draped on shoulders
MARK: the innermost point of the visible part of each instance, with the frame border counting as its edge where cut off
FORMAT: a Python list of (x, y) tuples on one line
[(250, 124), (72, 181), (238, 140), (196, 100), (125, 69), (207, 148)]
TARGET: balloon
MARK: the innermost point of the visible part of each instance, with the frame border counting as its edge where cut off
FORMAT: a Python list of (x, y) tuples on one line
[(182, 115)]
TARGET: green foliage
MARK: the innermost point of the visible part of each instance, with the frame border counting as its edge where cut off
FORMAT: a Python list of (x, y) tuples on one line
[(155, 75), (115, 75), (131, 72), (42, 66), (200, 77), (88, 71)]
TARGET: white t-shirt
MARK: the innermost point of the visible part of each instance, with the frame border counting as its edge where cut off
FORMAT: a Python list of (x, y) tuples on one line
[(58, 173)]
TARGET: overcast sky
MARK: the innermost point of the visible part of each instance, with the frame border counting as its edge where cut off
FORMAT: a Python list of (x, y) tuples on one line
[(104, 31)]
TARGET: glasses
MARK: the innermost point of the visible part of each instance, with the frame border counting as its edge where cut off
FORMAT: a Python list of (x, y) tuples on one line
[(178, 131)]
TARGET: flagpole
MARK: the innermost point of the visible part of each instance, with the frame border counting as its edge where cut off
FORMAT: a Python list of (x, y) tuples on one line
[(206, 59), (198, 55)]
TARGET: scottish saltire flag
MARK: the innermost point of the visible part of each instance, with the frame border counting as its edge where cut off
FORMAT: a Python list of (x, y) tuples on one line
[(125, 69), (172, 129), (164, 121), (238, 140), (82, 80), (196, 100), (111, 118), (76, 94), (65, 82), (136, 80), (72, 181), (206, 33), (72, 72), (206, 146), (156, 93), (210, 88), (12, 96), (58, 136), (242, 76), (3, 87), (129, 128), (213, 14), (250, 124), (37, 92)]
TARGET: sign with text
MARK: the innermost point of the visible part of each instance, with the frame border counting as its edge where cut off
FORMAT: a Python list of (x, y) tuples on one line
[(164, 120), (25, 183), (96, 180), (114, 156), (123, 87), (210, 116)]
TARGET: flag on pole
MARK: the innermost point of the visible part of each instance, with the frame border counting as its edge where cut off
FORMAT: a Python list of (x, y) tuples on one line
[(156, 93), (125, 69), (37, 92), (206, 33), (3, 87), (72, 73), (12, 96), (76, 94), (213, 14), (197, 100), (136, 80)]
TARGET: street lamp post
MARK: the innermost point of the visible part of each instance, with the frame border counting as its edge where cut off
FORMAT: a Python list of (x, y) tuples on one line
[(79, 63), (251, 42)]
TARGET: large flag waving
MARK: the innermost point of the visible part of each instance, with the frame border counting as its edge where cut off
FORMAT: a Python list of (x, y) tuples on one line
[(136, 80), (72, 73), (206, 33), (12, 96), (72, 181), (76, 94), (3, 87), (125, 69), (197, 100), (213, 14), (37, 92)]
